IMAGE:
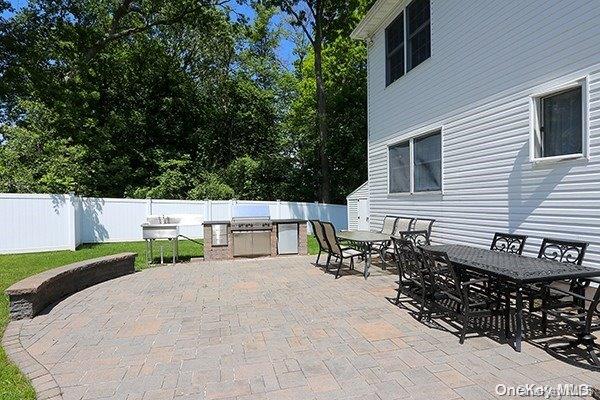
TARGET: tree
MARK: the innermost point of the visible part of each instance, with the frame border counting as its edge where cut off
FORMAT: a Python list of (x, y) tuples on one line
[(310, 17), (33, 159), (321, 21)]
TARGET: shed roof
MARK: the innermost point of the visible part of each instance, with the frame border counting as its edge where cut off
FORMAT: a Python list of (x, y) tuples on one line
[(358, 189)]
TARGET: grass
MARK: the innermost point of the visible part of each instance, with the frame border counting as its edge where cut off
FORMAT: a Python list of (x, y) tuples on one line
[(14, 267)]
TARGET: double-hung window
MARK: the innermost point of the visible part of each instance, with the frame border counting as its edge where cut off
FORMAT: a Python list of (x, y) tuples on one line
[(394, 43), (415, 165), (408, 40), (419, 33), (558, 125)]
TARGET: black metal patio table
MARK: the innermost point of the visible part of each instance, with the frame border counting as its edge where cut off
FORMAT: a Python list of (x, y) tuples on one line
[(513, 269), (366, 240)]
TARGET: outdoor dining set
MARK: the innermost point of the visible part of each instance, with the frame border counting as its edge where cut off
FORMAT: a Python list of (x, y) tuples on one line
[(469, 284)]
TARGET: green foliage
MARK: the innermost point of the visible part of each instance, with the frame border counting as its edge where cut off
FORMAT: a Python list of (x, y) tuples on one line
[(172, 183), (213, 188), (33, 158), (174, 99)]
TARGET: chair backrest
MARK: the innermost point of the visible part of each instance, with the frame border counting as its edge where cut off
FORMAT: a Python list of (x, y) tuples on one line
[(389, 223), (403, 224), (318, 231), (508, 243), (417, 238), (442, 273), (409, 259), (563, 251), (423, 224), (331, 237)]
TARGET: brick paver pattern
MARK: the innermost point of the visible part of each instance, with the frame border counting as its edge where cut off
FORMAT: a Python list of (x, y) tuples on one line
[(267, 329)]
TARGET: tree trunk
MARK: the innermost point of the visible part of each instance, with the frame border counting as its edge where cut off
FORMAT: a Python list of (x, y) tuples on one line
[(321, 106)]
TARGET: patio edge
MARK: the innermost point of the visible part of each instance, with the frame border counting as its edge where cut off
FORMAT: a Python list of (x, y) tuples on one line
[(44, 384)]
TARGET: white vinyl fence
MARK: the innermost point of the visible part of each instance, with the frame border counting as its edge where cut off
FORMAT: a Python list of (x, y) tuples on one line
[(43, 222)]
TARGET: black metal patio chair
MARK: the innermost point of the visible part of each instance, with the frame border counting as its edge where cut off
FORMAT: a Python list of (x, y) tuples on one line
[(570, 252), (455, 297), (413, 280), (508, 242), (580, 312), (336, 249)]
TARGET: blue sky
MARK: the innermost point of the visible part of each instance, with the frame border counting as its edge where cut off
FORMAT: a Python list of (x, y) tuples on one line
[(286, 50)]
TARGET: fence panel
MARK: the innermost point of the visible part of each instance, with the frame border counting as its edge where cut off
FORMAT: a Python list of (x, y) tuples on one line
[(35, 223), (112, 220), (44, 222)]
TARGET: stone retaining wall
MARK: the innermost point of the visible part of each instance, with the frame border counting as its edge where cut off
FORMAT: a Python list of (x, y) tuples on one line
[(31, 295)]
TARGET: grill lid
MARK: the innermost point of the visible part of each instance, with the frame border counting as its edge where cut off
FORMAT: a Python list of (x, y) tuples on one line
[(251, 211)]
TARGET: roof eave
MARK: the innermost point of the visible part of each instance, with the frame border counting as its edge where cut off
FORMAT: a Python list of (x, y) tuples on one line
[(374, 18)]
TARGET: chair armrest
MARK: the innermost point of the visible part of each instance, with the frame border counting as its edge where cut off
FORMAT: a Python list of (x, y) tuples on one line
[(474, 282), (595, 280)]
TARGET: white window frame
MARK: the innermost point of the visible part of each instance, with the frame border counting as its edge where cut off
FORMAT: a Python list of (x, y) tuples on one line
[(411, 151), (535, 112)]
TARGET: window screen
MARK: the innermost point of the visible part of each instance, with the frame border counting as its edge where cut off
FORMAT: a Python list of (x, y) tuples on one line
[(419, 33), (428, 163), (394, 44), (561, 123), (399, 174)]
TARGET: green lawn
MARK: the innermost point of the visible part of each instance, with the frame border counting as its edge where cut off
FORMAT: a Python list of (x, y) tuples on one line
[(14, 267)]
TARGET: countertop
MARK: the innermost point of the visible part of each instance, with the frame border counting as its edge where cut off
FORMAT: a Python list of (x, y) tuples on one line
[(274, 221)]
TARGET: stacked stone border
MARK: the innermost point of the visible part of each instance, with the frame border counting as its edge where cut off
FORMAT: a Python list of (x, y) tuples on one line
[(31, 295)]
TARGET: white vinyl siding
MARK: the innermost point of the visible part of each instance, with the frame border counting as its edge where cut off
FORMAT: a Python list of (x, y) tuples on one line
[(487, 61)]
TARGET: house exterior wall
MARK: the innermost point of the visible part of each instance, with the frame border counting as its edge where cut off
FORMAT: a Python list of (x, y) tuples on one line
[(488, 59), (362, 192)]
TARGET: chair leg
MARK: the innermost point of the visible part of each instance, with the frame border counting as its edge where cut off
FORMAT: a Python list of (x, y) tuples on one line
[(327, 263), (318, 257), (399, 290), (352, 263), (507, 314), (420, 316), (465, 326), (337, 274), (544, 313)]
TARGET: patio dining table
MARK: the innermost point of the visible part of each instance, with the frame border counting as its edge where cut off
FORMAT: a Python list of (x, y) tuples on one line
[(516, 270), (364, 240)]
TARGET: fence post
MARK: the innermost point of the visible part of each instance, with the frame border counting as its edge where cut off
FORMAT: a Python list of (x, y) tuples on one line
[(71, 221), (149, 206), (278, 209), (230, 209)]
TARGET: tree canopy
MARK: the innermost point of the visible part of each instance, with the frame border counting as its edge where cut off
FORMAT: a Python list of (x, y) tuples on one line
[(178, 99)]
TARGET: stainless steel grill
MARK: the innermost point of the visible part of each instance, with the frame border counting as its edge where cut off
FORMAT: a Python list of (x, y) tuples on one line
[(251, 224), (251, 229)]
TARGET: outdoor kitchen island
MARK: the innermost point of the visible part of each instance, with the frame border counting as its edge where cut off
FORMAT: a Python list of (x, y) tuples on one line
[(254, 237)]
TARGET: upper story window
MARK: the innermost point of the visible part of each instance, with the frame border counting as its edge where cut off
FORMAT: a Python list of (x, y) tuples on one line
[(415, 165), (408, 40), (419, 33), (559, 129), (394, 43)]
